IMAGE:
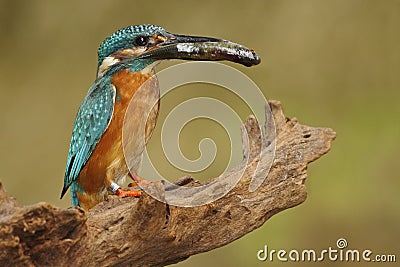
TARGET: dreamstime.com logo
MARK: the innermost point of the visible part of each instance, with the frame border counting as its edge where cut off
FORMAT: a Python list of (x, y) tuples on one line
[(135, 132), (340, 253)]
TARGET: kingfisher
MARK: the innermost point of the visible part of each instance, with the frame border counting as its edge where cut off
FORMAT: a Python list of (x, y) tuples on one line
[(96, 165)]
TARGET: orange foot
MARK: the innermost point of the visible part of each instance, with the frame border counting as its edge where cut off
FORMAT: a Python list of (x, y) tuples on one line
[(137, 180), (133, 184), (128, 193)]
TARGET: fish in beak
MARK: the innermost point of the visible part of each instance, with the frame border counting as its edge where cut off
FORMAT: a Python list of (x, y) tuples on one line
[(174, 46)]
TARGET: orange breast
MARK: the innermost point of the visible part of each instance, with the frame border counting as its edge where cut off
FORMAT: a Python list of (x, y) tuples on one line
[(109, 150)]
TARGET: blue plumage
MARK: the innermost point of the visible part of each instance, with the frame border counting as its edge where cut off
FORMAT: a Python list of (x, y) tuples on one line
[(92, 120), (124, 38)]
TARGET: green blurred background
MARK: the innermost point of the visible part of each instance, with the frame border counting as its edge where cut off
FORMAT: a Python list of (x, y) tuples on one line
[(331, 63)]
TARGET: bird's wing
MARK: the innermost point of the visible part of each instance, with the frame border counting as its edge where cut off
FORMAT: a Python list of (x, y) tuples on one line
[(93, 118)]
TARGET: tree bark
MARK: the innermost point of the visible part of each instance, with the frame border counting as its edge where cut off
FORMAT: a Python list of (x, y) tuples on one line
[(145, 232)]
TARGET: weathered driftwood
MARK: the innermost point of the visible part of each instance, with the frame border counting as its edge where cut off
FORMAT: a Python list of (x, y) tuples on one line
[(146, 232)]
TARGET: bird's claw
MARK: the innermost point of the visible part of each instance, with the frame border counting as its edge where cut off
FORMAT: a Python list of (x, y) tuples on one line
[(128, 193), (133, 184), (137, 180)]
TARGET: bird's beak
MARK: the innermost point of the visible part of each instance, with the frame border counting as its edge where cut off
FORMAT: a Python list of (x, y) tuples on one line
[(177, 38), (175, 46)]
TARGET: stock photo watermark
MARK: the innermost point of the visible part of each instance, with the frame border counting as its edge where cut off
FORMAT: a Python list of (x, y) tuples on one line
[(204, 108), (338, 253)]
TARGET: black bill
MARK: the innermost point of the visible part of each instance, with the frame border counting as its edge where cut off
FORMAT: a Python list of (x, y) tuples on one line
[(202, 48)]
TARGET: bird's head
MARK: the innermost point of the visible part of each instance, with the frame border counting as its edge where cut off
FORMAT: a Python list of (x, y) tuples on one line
[(139, 46)]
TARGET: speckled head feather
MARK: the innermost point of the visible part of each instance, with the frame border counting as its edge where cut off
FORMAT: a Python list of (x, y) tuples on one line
[(124, 38)]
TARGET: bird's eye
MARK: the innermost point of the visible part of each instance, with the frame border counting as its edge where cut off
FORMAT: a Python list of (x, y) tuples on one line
[(141, 40)]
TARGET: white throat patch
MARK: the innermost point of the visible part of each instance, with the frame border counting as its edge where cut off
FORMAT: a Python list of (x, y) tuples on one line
[(110, 61), (107, 63)]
